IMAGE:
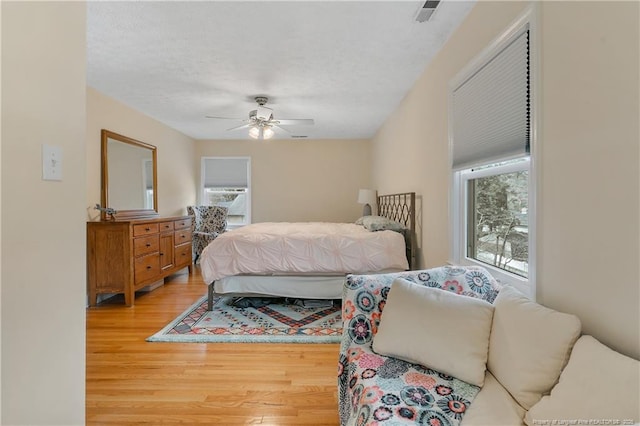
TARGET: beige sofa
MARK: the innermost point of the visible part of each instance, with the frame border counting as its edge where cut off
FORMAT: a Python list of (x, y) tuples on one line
[(415, 354)]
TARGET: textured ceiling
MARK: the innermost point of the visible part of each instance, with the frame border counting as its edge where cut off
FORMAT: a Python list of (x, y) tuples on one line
[(346, 64)]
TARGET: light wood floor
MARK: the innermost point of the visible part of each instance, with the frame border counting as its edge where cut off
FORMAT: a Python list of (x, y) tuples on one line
[(132, 381)]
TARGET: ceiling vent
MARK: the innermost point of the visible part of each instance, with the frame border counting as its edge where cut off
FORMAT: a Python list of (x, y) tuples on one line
[(427, 9)]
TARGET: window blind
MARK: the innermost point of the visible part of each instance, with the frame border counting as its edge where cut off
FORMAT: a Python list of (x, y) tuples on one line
[(225, 173), (491, 108)]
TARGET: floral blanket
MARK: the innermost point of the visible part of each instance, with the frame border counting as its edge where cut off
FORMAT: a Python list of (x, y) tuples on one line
[(379, 390)]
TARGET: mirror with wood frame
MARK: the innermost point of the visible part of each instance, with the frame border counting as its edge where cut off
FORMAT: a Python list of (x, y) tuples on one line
[(129, 178)]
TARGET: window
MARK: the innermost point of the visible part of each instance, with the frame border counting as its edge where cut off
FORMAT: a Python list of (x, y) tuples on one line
[(491, 113), (497, 216), (226, 182)]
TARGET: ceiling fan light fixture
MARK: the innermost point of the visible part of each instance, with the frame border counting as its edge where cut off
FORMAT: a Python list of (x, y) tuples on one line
[(261, 132), (254, 132), (267, 132)]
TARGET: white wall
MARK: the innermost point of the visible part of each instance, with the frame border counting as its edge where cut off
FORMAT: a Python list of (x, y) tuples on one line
[(411, 151), (295, 181), (177, 178), (0, 224), (588, 218), (43, 228), (590, 222)]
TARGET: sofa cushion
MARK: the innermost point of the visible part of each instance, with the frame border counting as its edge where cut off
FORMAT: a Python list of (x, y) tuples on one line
[(493, 406), (597, 383), (439, 329), (529, 345)]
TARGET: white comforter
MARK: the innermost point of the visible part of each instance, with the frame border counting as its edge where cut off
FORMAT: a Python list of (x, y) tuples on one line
[(302, 248)]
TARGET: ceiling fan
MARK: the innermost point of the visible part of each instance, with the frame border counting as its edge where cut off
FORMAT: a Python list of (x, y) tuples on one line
[(261, 122)]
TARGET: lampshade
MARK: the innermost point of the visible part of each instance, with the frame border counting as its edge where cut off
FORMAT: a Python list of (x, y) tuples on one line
[(367, 196)]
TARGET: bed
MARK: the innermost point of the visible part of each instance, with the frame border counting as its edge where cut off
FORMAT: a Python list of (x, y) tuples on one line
[(309, 260)]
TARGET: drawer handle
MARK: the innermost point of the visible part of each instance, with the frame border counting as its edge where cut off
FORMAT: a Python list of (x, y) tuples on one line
[(147, 229), (161, 254), (148, 267), (148, 245)]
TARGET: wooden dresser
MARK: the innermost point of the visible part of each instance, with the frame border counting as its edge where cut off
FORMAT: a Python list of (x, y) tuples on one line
[(124, 256)]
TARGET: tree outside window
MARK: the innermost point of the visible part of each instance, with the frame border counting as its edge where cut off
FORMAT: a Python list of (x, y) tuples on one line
[(498, 221)]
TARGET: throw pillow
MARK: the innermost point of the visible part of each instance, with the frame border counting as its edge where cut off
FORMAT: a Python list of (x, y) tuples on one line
[(380, 223), (529, 345), (597, 383), (436, 328)]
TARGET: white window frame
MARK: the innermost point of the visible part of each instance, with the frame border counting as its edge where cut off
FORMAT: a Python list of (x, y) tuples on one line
[(460, 230), (202, 191), (459, 179)]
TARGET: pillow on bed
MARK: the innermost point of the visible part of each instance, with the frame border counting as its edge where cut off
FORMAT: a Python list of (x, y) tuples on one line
[(436, 328), (379, 223)]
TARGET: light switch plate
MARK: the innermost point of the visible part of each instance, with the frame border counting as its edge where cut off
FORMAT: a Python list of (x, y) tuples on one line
[(51, 162)]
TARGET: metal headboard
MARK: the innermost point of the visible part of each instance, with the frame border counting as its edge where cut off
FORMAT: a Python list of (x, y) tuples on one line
[(402, 209)]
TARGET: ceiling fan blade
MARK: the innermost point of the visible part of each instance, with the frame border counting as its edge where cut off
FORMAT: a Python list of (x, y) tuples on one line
[(223, 118), (293, 121), (242, 126), (280, 128)]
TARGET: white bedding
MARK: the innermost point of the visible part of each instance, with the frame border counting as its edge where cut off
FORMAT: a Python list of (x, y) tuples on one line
[(302, 248), (297, 287)]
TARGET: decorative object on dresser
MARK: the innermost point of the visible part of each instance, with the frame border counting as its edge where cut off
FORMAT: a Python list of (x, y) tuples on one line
[(110, 212), (125, 255), (207, 222)]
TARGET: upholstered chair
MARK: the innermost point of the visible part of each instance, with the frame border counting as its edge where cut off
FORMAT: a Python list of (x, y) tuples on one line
[(207, 222)]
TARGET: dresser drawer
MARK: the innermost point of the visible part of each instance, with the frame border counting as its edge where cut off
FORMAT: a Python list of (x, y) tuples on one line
[(146, 245), (147, 267), (183, 254), (145, 229), (182, 223), (166, 226), (182, 236)]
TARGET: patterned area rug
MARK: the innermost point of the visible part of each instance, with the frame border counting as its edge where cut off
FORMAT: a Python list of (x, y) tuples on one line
[(273, 323)]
